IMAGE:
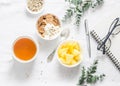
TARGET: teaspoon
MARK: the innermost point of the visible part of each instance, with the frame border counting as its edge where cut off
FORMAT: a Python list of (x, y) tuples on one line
[(64, 35)]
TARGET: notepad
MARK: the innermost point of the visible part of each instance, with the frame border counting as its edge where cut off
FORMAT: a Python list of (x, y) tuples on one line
[(109, 52)]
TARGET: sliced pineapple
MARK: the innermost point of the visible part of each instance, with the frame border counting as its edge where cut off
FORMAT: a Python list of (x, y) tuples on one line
[(77, 47), (69, 58), (69, 52), (62, 52), (76, 52), (63, 60), (77, 58)]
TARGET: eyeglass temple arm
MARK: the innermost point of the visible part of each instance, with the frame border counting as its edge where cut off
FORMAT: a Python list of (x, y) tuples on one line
[(103, 43)]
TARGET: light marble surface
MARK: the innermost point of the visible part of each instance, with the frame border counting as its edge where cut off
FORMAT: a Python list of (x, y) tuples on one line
[(16, 21)]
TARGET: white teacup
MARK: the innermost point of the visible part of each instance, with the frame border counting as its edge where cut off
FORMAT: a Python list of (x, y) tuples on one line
[(18, 59)]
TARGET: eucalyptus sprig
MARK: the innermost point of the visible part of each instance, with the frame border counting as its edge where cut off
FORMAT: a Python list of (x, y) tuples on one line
[(88, 75), (78, 7)]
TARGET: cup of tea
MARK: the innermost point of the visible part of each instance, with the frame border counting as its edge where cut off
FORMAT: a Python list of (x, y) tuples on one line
[(25, 49)]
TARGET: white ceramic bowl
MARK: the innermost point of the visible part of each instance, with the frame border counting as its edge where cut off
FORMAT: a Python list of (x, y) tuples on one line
[(70, 66), (34, 13), (55, 37), (33, 58)]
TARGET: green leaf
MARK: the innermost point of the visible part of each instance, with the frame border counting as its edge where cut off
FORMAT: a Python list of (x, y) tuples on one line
[(89, 76), (83, 77), (80, 7)]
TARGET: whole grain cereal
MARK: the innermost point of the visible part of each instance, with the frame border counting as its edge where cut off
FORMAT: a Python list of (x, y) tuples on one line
[(35, 5)]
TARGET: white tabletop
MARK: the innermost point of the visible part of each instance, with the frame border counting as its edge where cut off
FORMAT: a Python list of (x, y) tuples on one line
[(16, 21)]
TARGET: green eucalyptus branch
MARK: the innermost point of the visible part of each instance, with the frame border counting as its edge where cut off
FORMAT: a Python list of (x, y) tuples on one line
[(78, 7), (88, 75)]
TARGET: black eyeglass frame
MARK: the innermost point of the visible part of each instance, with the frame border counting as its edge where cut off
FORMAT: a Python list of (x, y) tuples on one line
[(114, 25)]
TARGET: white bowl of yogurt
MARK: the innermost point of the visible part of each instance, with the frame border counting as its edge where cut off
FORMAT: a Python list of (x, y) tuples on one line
[(48, 27)]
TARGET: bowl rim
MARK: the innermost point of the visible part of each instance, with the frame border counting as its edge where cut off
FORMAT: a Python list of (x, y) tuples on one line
[(35, 13), (56, 35), (81, 56), (33, 58)]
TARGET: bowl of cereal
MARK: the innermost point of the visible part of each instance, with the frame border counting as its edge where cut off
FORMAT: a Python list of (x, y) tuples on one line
[(48, 27), (69, 53), (35, 6)]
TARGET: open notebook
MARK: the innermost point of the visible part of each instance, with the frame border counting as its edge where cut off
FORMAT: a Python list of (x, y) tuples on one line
[(114, 52)]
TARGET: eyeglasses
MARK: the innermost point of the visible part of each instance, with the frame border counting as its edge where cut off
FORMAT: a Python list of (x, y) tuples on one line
[(114, 29)]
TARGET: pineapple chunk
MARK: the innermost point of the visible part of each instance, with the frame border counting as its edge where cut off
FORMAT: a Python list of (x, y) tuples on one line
[(62, 52), (63, 46), (69, 58), (71, 50), (76, 46), (77, 58), (59, 52), (75, 52), (63, 60)]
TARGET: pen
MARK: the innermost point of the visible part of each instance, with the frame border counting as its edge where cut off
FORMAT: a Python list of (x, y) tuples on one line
[(88, 37)]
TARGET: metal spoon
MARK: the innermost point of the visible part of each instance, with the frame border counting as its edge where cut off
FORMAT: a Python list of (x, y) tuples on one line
[(64, 35)]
